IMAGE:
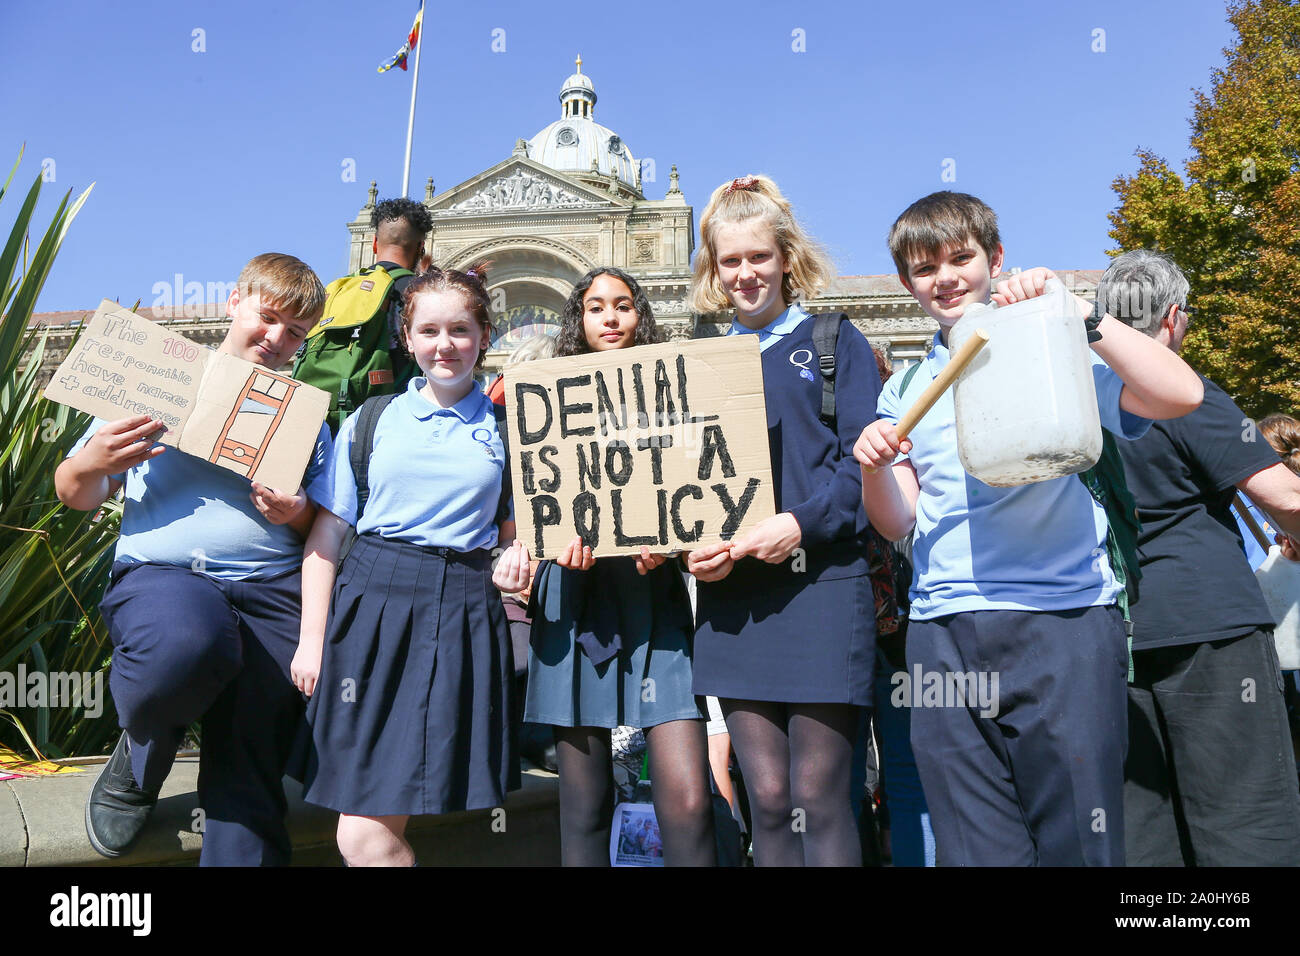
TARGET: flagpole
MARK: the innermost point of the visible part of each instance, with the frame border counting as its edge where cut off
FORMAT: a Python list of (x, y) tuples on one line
[(410, 123)]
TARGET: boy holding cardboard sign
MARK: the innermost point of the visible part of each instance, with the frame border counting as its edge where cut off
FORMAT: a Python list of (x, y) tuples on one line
[(1012, 587), (203, 603)]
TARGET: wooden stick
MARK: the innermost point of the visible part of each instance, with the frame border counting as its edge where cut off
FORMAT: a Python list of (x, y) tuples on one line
[(956, 365), (1249, 521)]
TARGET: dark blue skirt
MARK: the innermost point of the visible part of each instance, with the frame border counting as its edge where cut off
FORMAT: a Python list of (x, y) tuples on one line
[(645, 683), (411, 714), (766, 633)]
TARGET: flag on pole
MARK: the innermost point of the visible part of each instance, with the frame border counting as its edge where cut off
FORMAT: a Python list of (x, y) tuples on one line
[(399, 58)]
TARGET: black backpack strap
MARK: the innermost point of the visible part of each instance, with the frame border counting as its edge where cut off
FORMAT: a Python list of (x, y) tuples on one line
[(507, 487), (825, 336), (363, 443)]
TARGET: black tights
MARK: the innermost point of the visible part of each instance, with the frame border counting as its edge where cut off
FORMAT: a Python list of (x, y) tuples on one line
[(796, 761), (679, 776)]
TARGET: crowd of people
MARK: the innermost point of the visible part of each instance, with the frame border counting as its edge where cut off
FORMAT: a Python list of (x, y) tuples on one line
[(353, 632)]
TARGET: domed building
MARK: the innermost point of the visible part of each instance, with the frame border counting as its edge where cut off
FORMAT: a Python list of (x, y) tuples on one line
[(576, 143), (566, 200), (572, 197)]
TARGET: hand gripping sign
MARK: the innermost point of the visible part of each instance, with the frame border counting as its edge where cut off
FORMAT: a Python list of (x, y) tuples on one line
[(234, 413), (660, 445)]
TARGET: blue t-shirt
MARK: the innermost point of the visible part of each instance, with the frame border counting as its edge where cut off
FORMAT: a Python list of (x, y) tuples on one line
[(435, 476), (1036, 547), (188, 512)]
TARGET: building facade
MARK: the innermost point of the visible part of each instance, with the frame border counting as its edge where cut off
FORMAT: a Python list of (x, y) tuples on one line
[(565, 201)]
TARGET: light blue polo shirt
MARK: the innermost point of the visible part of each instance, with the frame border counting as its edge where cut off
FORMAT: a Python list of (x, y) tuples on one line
[(1037, 547), (774, 331), (185, 511), (435, 473)]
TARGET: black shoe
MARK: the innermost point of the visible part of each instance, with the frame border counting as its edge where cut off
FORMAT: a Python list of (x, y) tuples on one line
[(537, 744), (117, 809)]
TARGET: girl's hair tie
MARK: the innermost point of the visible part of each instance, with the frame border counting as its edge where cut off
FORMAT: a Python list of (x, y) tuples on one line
[(744, 182)]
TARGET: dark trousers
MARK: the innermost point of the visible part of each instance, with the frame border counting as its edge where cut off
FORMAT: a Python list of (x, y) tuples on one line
[(1040, 781), (191, 647), (1210, 778)]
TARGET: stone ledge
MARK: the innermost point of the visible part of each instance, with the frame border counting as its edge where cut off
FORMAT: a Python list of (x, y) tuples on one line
[(42, 823)]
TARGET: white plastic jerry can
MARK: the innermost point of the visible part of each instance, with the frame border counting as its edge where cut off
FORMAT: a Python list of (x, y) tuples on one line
[(1026, 407), (1279, 579)]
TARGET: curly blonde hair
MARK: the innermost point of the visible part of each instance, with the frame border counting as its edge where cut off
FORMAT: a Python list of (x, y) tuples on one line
[(757, 197)]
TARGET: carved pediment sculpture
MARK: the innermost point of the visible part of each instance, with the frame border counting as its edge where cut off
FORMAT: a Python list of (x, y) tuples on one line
[(521, 190)]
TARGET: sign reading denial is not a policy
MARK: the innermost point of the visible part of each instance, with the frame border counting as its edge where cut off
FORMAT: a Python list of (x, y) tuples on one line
[(660, 445), (231, 412)]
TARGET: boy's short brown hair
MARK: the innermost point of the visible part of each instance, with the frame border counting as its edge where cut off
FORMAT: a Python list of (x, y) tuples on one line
[(286, 282), (939, 221)]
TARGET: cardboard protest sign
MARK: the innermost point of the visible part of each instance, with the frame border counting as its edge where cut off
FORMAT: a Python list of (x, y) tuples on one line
[(232, 412), (660, 445)]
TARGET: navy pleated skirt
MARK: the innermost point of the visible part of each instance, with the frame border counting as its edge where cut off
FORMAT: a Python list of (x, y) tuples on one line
[(411, 714)]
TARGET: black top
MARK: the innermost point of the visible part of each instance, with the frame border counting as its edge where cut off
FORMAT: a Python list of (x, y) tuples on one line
[(396, 340), (404, 367), (1196, 583)]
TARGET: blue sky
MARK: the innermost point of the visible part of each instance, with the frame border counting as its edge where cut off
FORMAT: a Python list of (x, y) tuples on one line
[(204, 159)]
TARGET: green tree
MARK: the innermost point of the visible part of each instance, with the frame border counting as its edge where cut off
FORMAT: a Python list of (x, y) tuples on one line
[(1232, 222)]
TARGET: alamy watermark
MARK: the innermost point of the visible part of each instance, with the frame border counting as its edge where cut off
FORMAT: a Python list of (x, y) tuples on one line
[(921, 688), (77, 689), (127, 910), (190, 298)]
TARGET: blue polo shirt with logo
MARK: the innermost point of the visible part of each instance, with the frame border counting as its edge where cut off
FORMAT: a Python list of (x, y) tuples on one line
[(436, 474), (1036, 547)]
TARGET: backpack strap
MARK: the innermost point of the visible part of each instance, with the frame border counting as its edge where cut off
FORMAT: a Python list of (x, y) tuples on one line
[(825, 336), (1107, 482), (363, 443), (507, 487), (907, 378)]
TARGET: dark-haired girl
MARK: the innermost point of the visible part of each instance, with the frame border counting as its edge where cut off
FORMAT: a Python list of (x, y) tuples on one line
[(408, 663), (611, 645)]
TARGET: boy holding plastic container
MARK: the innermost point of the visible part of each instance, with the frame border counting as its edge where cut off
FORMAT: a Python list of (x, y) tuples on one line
[(1013, 591)]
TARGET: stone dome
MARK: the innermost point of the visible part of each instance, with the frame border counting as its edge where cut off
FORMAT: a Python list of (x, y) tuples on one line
[(578, 81), (575, 141)]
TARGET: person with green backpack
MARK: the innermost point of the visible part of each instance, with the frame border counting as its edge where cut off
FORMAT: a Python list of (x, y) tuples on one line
[(356, 349), (1013, 588)]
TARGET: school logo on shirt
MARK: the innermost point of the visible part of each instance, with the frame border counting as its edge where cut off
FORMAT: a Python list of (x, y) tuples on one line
[(484, 437), (801, 359)]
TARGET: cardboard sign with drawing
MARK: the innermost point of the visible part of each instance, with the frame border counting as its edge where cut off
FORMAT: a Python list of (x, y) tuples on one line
[(663, 446), (233, 413)]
